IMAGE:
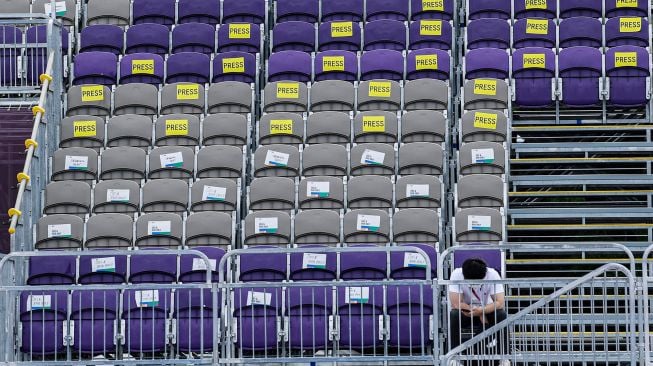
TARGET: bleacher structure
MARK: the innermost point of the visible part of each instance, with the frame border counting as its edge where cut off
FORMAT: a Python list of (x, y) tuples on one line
[(293, 181)]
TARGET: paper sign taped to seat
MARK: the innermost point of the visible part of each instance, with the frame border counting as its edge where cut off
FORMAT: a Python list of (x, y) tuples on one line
[(368, 222), (211, 193), (117, 195), (239, 31), (188, 92), (275, 158), (143, 67), (38, 302), (314, 260), (333, 63), (288, 90), (625, 59), (342, 29), (534, 61), (485, 87), (426, 62), (373, 123), (535, 4), (537, 26), (159, 228), (106, 264), (381, 89), (479, 223), (430, 27), (357, 295), (59, 231), (417, 190), (317, 189), (482, 156), (281, 127), (92, 93), (84, 129), (266, 225), (432, 5), (177, 127), (485, 120), (76, 162)]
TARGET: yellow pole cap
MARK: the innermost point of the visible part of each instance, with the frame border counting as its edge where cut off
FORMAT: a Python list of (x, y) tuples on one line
[(44, 77), (38, 109), (22, 176), (14, 212), (30, 142), (12, 231)]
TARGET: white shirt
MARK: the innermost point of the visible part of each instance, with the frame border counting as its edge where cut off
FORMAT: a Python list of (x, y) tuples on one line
[(476, 295)]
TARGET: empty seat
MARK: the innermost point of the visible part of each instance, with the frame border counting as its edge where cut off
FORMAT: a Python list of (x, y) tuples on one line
[(94, 100), (484, 125), (136, 98), (480, 190), (416, 225), (235, 66), (42, 314), (55, 270), (321, 192), (428, 63), (409, 308), (66, 10), (224, 129), (188, 67), (82, 131), (332, 95), (194, 310), (159, 230), (479, 225), (256, 312), (581, 8), (423, 126), (270, 267), (185, 98), (420, 158), (342, 10), (165, 195), (109, 230), (285, 96), (369, 191), (324, 160), (618, 8), (153, 11), (363, 264), (152, 268), (482, 158), (117, 196), (492, 257), (488, 33), (243, 37), (289, 65), (294, 10), (375, 126), (627, 31), (92, 68), (267, 228), (141, 68), (293, 36), (220, 161), (580, 31), (366, 226), (94, 333), (102, 37), (535, 9), (418, 191), (75, 163), (129, 130), (486, 94), (208, 228), (10, 37), (198, 11), (379, 95), (249, 11), (177, 130), (328, 127), (313, 265), (432, 9), (479, 9), (430, 34), (104, 269), (533, 70), (145, 316), (271, 193), (317, 227), (59, 232), (580, 70), (412, 265), (230, 97), (487, 63), (307, 315), (336, 65), (281, 128), (171, 162), (359, 309), (627, 68), (372, 159), (386, 9), (103, 12), (276, 161), (147, 38), (382, 64), (340, 35), (385, 34), (67, 197), (214, 194), (193, 37), (123, 162), (424, 94), (534, 33)]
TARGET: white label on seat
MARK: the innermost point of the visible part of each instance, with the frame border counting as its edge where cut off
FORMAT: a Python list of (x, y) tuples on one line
[(368, 223), (357, 295), (314, 260), (117, 195), (158, 228), (147, 298), (258, 298), (59, 231), (59, 8), (372, 157), (76, 162), (414, 260), (318, 189), (481, 223), (107, 264), (417, 190), (266, 225), (211, 193), (172, 160), (200, 265), (482, 156), (39, 302), (275, 158)]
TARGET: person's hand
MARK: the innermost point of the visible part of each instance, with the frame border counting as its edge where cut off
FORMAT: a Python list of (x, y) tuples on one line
[(466, 313), (477, 312)]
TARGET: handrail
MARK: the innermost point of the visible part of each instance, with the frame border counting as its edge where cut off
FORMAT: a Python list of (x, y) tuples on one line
[(31, 144)]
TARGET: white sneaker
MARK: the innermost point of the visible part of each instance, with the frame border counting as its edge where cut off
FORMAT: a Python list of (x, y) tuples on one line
[(504, 363), (455, 363)]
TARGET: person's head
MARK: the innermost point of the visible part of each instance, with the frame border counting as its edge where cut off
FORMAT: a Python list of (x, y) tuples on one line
[(474, 269)]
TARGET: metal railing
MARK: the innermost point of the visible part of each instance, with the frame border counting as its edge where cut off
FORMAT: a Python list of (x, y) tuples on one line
[(645, 304)]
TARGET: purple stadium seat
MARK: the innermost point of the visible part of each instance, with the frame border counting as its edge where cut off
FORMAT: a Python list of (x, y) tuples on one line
[(409, 309), (534, 33), (628, 69), (269, 267), (147, 38), (479, 9), (193, 37), (532, 71), (308, 310), (430, 34), (336, 65), (343, 36), (428, 63), (37, 58), (8, 56), (580, 69), (335, 10), (102, 269), (293, 36), (94, 313), (289, 65), (487, 63), (234, 66), (199, 11), (188, 67), (243, 11), (619, 8), (363, 265), (153, 268), (581, 31), (193, 269), (244, 37), (194, 313), (51, 271), (141, 68), (145, 313), (257, 311), (627, 31), (581, 8), (407, 265), (386, 9), (535, 9), (359, 309), (385, 35), (309, 266), (432, 9), (382, 64), (41, 315), (488, 33), (492, 257), (95, 68), (297, 10), (102, 37), (154, 11)]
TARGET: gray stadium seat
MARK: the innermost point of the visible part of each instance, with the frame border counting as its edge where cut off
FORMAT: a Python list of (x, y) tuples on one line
[(418, 191), (479, 225), (123, 162), (416, 225), (187, 98), (230, 97), (116, 196), (367, 226), (321, 193), (324, 160), (372, 159), (59, 232), (220, 162), (281, 128), (328, 128), (224, 129), (480, 190), (375, 126), (67, 197), (276, 161), (159, 230), (110, 231), (423, 126), (129, 130), (108, 12), (484, 125), (177, 130), (332, 95), (426, 94), (383, 95), (209, 229), (82, 131), (177, 162), (67, 17), (369, 191), (267, 228), (485, 94), (285, 96), (136, 98), (271, 193), (214, 194), (75, 163), (420, 158), (165, 195), (317, 227), (482, 158), (15, 6), (93, 100)]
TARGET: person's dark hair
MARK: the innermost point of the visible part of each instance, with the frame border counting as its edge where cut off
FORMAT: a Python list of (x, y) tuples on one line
[(474, 269)]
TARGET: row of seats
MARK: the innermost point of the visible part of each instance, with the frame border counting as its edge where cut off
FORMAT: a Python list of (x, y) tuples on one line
[(519, 9)]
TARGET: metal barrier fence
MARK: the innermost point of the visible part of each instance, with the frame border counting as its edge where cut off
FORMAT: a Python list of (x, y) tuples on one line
[(646, 304)]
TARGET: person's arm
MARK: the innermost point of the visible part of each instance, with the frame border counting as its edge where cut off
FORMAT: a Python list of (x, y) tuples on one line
[(456, 301), (498, 301)]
